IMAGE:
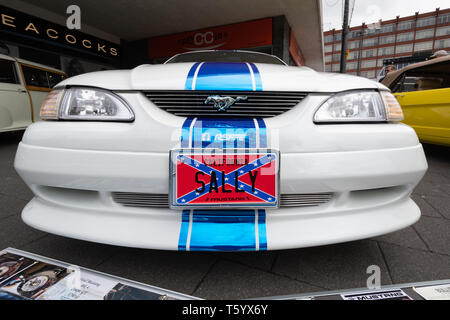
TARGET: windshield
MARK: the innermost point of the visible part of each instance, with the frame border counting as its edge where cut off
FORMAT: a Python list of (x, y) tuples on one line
[(225, 56)]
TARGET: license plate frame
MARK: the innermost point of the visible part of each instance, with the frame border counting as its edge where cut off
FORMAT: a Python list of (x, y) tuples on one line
[(267, 164)]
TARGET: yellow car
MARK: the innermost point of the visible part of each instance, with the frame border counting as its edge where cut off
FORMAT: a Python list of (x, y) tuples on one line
[(423, 90)]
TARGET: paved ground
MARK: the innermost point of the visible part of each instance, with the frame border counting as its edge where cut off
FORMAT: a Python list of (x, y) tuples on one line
[(419, 253)]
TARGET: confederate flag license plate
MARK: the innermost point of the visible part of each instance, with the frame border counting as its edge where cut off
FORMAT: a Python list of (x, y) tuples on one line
[(239, 179)]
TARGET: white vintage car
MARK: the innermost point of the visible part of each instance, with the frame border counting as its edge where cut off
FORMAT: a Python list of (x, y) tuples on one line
[(220, 150), (23, 87)]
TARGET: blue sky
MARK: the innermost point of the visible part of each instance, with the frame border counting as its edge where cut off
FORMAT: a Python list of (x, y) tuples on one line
[(370, 11)]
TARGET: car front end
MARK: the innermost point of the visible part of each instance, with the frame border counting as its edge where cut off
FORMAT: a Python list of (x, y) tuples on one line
[(103, 166)]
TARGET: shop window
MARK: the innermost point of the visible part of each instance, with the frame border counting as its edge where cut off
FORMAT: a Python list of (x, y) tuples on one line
[(388, 28), (328, 38), (368, 64), (444, 18), (387, 39), (8, 72), (353, 55), (443, 31), (370, 42), (440, 44), (385, 51), (408, 36), (403, 48), (370, 30), (423, 46), (354, 34), (369, 53), (353, 45), (352, 65), (423, 34), (405, 25), (423, 22)]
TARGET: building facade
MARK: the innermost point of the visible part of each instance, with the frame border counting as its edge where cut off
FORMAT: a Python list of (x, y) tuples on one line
[(369, 45), (149, 32)]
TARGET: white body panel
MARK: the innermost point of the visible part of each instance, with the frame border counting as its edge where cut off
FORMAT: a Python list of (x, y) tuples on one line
[(73, 167), (15, 108), (37, 97), (173, 77)]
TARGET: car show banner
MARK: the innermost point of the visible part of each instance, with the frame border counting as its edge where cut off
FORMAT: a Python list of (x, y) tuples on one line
[(25, 276)]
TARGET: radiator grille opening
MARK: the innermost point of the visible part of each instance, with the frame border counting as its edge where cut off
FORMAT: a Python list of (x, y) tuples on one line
[(155, 200), (262, 104)]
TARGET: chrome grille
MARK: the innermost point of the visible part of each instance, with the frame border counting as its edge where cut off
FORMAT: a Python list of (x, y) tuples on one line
[(262, 104), (156, 200), (304, 199), (152, 200)]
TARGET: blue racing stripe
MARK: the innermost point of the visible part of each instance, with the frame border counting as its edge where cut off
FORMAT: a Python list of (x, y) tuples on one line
[(182, 240), (262, 133), (262, 233), (224, 76), (258, 82), (224, 133), (185, 132), (190, 77), (224, 230)]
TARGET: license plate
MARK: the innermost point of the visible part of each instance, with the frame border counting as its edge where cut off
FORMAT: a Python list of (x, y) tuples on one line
[(208, 179)]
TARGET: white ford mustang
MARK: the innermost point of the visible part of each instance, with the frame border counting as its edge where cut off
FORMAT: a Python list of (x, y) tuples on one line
[(220, 150)]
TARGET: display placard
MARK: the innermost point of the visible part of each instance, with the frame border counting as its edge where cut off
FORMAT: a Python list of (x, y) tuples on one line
[(25, 276)]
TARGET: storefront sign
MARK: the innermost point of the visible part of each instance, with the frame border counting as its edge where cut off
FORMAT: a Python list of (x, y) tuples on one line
[(16, 23), (250, 34)]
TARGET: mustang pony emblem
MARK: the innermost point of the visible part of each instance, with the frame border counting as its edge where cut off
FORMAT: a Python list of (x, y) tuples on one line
[(223, 103)]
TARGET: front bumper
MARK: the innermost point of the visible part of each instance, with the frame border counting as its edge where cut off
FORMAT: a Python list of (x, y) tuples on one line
[(73, 198)]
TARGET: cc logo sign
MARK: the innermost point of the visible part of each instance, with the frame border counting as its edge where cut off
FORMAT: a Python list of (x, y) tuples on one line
[(203, 38)]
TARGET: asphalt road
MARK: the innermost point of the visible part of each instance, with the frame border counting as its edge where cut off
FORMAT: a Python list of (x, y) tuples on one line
[(418, 253)]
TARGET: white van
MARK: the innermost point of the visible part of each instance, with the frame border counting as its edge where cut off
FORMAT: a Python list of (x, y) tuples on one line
[(23, 87)]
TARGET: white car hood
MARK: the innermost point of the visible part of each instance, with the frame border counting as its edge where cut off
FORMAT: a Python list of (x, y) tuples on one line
[(174, 77)]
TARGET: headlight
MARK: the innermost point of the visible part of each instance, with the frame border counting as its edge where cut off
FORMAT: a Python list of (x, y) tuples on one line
[(85, 104), (360, 106)]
